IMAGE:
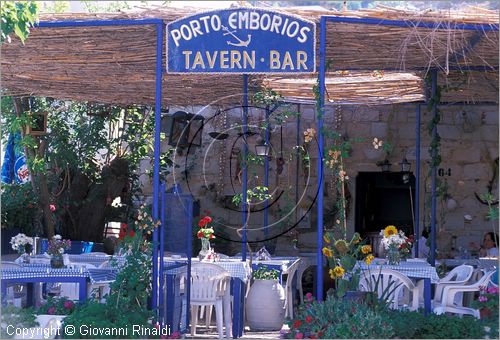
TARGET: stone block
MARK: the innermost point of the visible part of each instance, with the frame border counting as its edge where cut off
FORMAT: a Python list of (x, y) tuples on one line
[(465, 155), (489, 133), (406, 131), (379, 130), (476, 171), (449, 132), (454, 220)]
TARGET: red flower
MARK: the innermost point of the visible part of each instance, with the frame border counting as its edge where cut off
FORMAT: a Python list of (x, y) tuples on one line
[(211, 236), (297, 324), (69, 304), (309, 319), (51, 310), (202, 223), (312, 336), (200, 234), (299, 336), (131, 233), (208, 219)]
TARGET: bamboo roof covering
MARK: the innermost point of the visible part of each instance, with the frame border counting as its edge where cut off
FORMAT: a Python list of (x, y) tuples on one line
[(117, 64)]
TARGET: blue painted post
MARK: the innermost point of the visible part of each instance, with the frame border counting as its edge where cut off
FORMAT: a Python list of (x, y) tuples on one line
[(266, 177), (322, 74), (244, 175), (433, 174), (162, 248), (156, 163), (417, 180)]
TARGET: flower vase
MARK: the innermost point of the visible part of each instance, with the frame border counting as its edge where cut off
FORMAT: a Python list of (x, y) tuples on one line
[(205, 248), (393, 256), (25, 258), (56, 261)]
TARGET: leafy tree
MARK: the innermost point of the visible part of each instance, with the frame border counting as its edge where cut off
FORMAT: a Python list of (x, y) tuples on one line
[(17, 17), (89, 156)]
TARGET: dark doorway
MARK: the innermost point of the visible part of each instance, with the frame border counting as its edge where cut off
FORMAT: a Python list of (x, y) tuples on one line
[(382, 199)]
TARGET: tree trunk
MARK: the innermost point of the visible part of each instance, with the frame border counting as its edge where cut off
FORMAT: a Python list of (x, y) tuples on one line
[(22, 105)]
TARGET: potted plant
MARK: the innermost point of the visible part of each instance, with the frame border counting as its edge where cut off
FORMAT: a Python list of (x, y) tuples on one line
[(487, 302), (342, 256), (23, 245), (265, 305), (54, 310), (205, 234), (397, 246), (57, 247)]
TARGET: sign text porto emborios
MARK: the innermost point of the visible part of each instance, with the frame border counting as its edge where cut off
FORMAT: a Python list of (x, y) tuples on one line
[(241, 40)]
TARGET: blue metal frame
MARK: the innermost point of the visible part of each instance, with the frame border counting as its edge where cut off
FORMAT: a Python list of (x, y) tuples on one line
[(158, 100), (245, 172), (432, 259), (417, 180), (322, 73), (266, 177), (319, 239)]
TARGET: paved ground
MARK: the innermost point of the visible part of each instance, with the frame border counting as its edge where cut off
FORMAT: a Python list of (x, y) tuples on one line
[(212, 334)]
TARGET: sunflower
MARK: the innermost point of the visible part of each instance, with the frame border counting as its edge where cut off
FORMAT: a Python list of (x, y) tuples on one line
[(390, 230), (326, 239), (338, 271), (369, 259), (366, 249), (341, 246), (356, 238), (327, 252)]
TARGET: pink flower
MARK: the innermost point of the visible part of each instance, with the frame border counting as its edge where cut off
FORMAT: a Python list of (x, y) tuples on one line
[(483, 298), (52, 207), (69, 304), (493, 290), (51, 310), (299, 336), (309, 297)]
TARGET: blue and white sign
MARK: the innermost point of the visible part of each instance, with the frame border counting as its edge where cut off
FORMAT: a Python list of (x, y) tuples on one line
[(241, 40)]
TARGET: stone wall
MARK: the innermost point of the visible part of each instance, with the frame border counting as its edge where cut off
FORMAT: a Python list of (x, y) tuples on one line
[(469, 147)]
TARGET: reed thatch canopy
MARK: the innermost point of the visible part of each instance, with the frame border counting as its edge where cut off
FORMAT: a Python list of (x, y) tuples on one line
[(117, 64)]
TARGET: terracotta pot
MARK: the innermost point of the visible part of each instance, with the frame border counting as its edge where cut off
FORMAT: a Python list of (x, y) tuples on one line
[(485, 313)]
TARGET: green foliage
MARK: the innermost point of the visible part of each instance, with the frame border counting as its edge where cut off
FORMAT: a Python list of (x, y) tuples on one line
[(264, 273), (17, 317), (19, 205), (106, 317), (339, 319), (417, 325), (257, 194), (126, 305), (17, 17)]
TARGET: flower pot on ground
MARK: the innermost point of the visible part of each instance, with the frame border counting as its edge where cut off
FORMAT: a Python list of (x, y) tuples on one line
[(265, 305)]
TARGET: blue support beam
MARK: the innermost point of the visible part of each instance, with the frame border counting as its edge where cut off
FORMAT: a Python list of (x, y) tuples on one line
[(88, 23), (266, 177), (156, 162), (417, 180), (433, 173), (245, 170), (319, 241)]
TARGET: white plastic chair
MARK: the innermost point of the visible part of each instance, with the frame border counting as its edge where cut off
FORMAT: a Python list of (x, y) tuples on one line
[(449, 303), (393, 286), (457, 276), (290, 272), (210, 287)]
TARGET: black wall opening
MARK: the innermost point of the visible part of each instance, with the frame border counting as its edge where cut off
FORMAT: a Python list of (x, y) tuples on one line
[(382, 199)]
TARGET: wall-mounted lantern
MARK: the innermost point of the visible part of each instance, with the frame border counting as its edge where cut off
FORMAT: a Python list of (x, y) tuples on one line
[(262, 148), (186, 129), (405, 165)]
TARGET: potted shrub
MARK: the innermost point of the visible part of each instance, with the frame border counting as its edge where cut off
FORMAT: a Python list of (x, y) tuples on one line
[(265, 305), (56, 308)]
